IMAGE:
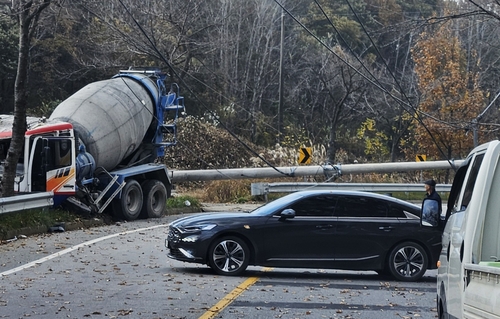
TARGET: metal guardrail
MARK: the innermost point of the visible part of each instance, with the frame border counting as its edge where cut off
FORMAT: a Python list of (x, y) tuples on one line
[(26, 201), (266, 188)]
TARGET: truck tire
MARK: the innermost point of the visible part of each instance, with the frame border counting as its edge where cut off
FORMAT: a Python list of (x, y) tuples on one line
[(129, 205), (155, 199), (408, 261)]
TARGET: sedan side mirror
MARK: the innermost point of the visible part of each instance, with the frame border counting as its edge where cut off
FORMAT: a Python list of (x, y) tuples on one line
[(287, 213)]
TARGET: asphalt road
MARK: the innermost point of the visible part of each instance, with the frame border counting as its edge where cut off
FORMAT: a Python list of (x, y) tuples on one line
[(121, 270)]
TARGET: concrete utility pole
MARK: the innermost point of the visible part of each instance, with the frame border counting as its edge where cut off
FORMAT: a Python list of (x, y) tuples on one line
[(280, 103), (268, 172)]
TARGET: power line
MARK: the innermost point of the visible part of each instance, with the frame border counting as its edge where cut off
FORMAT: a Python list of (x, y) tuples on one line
[(155, 48), (374, 82), (419, 119)]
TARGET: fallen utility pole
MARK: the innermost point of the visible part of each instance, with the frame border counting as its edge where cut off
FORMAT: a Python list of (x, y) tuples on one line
[(297, 171)]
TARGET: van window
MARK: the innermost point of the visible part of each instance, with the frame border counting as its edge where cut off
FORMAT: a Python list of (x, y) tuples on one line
[(469, 187), (489, 239)]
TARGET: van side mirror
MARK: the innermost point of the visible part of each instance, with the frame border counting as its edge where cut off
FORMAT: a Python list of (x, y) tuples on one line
[(430, 213)]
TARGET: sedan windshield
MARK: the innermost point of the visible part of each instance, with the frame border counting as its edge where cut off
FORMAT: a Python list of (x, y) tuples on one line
[(276, 204)]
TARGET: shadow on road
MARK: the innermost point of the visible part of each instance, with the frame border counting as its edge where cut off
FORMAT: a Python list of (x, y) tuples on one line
[(280, 273)]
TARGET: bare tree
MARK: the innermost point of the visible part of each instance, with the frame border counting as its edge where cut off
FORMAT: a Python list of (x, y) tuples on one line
[(328, 98), (479, 35), (27, 13), (245, 45), (490, 8)]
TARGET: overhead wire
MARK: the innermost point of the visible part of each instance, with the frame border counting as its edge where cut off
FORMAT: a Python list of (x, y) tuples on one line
[(401, 90), (374, 82), (214, 115), (178, 141), (337, 55), (124, 35), (206, 85), (156, 118)]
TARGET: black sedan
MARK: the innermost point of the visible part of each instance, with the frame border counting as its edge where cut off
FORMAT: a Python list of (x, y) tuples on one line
[(312, 229)]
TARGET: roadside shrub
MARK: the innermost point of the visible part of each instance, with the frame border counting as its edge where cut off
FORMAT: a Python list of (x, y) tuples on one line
[(180, 202), (228, 191)]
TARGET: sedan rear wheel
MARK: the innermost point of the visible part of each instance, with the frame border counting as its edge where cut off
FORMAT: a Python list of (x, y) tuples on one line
[(408, 261), (228, 256)]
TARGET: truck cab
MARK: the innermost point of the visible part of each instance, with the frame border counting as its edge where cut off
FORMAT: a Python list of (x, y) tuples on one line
[(47, 162), (471, 238)]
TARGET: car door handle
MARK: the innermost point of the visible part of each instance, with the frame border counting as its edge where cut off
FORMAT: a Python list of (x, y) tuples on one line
[(386, 228)]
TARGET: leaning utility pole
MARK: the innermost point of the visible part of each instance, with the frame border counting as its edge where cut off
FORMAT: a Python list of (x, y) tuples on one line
[(280, 106)]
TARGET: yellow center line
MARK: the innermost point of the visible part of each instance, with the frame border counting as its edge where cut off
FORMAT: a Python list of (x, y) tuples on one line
[(230, 297)]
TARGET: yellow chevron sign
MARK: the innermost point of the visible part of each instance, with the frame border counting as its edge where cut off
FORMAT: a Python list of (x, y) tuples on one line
[(421, 158), (305, 155)]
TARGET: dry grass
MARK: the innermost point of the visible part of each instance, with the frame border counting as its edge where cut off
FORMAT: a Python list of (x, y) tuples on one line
[(239, 191), (217, 191), (228, 191)]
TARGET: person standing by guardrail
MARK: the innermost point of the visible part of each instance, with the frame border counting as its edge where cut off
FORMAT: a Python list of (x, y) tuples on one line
[(431, 205)]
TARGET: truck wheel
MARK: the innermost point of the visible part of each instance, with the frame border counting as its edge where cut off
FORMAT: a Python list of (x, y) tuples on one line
[(130, 204), (408, 261), (228, 256), (155, 199)]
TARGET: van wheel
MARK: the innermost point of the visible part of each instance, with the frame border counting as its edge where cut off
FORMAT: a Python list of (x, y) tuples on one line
[(155, 199), (440, 312), (129, 205), (441, 304), (408, 261)]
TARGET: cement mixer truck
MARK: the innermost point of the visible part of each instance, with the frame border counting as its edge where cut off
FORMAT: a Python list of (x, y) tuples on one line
[(98, 149)]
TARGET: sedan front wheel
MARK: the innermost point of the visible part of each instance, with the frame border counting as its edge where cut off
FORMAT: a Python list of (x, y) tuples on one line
[(408, 261), (228, 256)]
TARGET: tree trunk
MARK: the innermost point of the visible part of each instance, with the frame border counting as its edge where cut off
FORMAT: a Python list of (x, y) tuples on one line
[(27, 20), (332, 149)]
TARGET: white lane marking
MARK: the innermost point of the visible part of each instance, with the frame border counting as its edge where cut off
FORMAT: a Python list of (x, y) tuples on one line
[(73, 248)]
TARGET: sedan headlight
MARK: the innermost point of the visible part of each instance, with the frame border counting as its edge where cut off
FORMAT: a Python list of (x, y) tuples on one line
[(208, 226), (198, 228)]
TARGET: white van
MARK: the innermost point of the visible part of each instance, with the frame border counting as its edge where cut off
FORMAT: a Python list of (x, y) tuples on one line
[(468, 282)]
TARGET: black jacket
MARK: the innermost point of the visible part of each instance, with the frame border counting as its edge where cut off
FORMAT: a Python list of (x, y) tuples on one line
[(435, 196)]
